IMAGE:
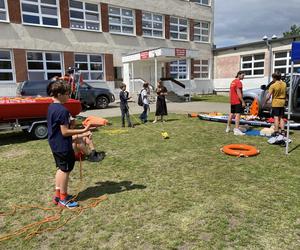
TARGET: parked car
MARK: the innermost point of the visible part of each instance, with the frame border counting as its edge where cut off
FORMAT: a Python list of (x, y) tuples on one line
[(88, 95), (261, 94)]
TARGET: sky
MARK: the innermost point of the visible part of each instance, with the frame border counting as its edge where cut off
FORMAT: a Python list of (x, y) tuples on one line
[(243, 21)]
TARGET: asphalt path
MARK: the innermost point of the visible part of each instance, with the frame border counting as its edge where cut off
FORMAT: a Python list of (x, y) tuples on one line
[(113, 109)]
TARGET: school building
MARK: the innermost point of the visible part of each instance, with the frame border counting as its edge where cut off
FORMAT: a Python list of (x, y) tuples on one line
[(258, 60), (109, 40)]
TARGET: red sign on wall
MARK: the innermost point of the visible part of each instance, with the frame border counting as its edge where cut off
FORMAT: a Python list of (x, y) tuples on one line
[(144, 55), (180, 52)]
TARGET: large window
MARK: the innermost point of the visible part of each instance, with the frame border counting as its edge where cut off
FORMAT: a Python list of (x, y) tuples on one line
[(201, 31), (253, 65), (91, 66), (121, 20), (6, 68), (40, 12), (43, 65), (179, 28), (282, 62), (202, 2), (152, 24), (84, 15), (3, 10), (179, 69), (201, 69)]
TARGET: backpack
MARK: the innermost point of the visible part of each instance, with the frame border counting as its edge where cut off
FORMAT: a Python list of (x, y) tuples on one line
[(140, 99)]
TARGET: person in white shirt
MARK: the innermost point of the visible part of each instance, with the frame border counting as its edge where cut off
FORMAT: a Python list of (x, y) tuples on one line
[(145, 97)]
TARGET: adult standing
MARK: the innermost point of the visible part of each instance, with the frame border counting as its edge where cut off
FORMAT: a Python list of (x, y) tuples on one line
[(278, 93), (237, 103), (161, 106), (144, 94)]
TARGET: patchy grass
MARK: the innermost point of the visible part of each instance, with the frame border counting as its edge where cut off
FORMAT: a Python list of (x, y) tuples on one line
[(210, 98), (180, 193)]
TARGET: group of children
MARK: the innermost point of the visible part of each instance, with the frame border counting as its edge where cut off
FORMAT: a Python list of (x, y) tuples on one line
[(161, 107)]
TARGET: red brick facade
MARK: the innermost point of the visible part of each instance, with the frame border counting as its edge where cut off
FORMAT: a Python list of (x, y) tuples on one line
[(192, 30), (138, 22), (167, 27), (64, 14), (68, 60), (20, 64), (104, 17), (109, 67), (14, 11)]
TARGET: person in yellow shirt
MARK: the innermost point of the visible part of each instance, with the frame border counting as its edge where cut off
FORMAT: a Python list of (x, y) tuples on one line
[(278, 93)]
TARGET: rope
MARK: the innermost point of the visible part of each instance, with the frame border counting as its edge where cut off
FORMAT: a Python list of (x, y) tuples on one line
[(36, 228)]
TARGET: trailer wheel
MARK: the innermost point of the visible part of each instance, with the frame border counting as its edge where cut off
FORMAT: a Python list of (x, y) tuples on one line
[(39, 131)]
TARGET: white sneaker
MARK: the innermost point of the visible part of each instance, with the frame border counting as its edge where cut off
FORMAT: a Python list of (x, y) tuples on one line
[(227, 129), (236, 131)]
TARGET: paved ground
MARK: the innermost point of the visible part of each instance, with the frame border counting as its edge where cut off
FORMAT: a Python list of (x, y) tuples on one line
[(178, 108)]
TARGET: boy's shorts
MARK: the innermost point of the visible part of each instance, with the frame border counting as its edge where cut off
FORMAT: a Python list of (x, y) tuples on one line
[(65, 161), (278, 111), (237, 109)]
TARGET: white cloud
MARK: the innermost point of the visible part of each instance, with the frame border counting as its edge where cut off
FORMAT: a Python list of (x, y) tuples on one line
[(242, 21)]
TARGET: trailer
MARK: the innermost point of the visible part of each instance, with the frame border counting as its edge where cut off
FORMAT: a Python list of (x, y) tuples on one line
[(29, 114)]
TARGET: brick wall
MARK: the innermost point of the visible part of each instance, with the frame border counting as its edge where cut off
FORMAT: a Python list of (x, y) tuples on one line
[(109, 67), (191, 30), (64, 14), (138, 22), (14, 11), (68, 60), (167, 27), (104, 17), (20, 64)]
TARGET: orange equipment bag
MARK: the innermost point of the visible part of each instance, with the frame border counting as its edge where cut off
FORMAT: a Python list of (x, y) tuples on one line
[(95, 121)]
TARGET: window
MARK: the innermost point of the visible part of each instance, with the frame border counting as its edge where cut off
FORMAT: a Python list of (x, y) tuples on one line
[(6, 68), (84, 16), (91, 66), (282, 62), (43, 65), (179, 28), (201, 69), (121, 20), (201, 31), (202, 2), (253, 65), (40, 12), (3, 10), (178, 69), (152, 24)]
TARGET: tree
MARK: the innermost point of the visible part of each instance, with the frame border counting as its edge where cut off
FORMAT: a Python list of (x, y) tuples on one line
[(295, 30)]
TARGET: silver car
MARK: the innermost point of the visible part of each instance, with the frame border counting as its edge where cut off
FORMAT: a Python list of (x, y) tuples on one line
[(261, 94)]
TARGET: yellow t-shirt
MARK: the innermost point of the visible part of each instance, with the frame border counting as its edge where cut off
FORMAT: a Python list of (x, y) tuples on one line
[(278, 92)]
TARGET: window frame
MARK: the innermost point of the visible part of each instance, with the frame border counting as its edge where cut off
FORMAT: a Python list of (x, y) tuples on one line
[(201, 29), (45, 70), (252, 61), (121, 16), (84, 20), (6, 13), (40, 15), (154, 21), (12, 70), (88, 62), (201, 71), (288, 62), (200, 2), (177, 64), (178, 25)]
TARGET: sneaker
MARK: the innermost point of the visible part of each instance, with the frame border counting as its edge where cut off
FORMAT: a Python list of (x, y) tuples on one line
[(155, 121), (68, 204), (227, 130), (236, 131), (55, 199)]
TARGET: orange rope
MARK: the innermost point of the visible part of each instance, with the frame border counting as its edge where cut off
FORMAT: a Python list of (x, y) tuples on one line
[(35, 228)]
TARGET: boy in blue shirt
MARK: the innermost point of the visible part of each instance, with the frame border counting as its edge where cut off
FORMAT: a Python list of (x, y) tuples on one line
[(60, 141)]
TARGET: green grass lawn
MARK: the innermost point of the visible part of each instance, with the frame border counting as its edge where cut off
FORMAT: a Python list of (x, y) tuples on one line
[(179, 193), (210, 98)]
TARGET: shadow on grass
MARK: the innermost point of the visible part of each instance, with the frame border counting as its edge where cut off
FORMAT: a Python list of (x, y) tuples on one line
[(7, 138), (107, 187)]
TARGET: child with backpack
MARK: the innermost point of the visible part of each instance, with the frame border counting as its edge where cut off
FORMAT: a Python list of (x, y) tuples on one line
[(144, 101)]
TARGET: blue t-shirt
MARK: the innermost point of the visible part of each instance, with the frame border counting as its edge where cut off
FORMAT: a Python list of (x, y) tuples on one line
[(58, 115)]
